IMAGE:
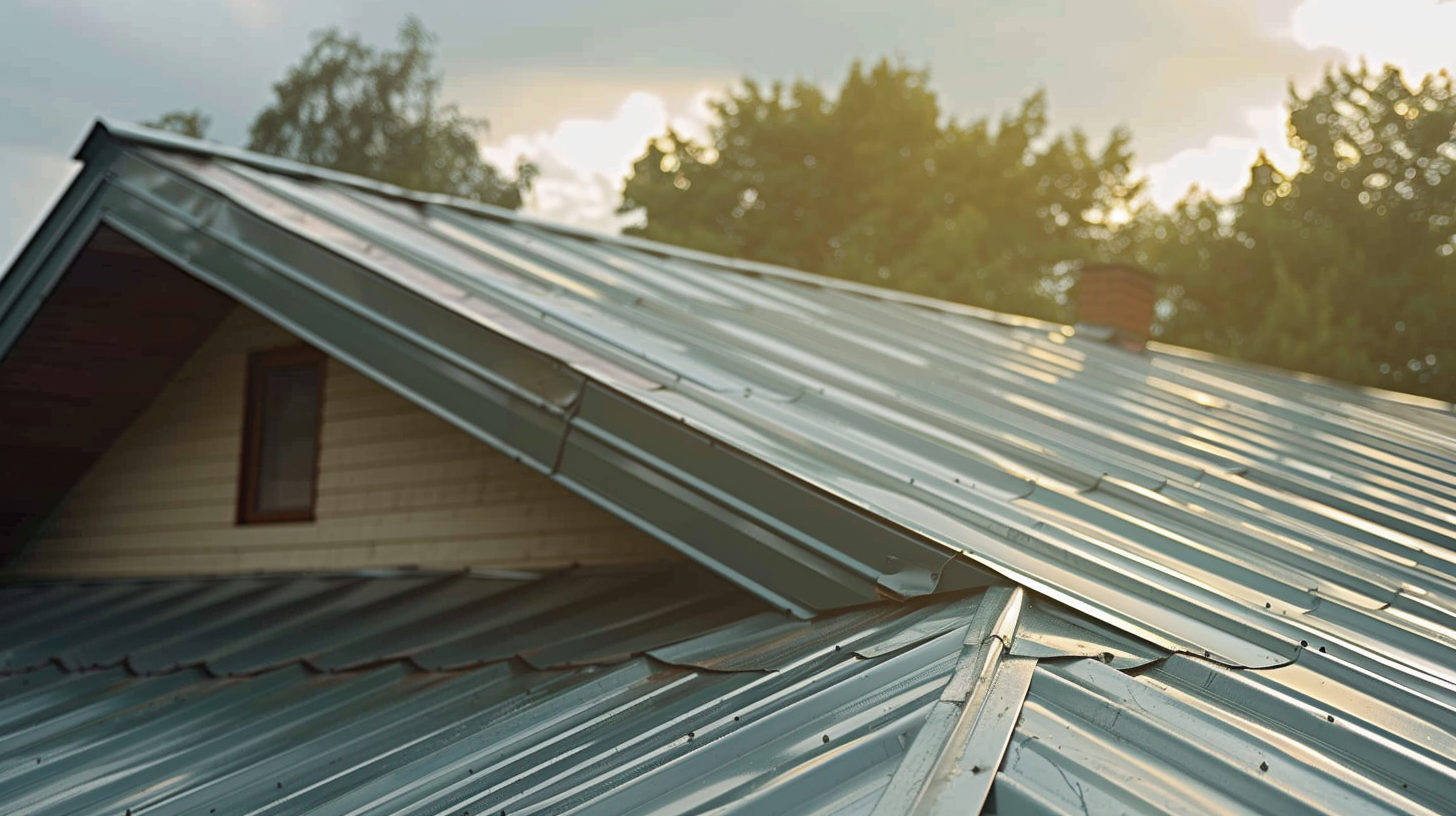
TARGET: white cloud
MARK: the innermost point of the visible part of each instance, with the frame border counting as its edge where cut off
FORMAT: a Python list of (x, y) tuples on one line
[(1221, 166), (1413, 34), (1416, 35), (583, 161)]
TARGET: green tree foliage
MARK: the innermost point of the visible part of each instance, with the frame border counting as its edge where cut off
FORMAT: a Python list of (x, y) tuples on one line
[(1347, 266), (873, 184), (192, 123), (358, 109)]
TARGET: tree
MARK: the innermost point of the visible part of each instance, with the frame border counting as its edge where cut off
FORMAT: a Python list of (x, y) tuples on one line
[(354, 108), (377, 113), (873, 184), (192, 123), (1345, 267)]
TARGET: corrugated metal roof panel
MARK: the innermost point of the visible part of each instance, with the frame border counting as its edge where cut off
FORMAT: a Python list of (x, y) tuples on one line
[(1184, 492), (441, 621), (1191, 738), (824, 444), (866, 710), (627, 734)]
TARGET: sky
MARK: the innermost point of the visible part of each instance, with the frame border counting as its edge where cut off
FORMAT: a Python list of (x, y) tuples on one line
[(580, 86)]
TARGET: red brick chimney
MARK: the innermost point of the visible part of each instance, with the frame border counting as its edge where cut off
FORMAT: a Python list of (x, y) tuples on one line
[(1119, 299)]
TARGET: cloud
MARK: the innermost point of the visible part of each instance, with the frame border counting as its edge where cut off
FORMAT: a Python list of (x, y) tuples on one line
[(1221, 166), (583, 161), (1414, 34), (1417, 35), (1181, 75), (1172, 71)]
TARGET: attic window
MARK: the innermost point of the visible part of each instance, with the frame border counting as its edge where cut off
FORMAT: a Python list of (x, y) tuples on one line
[(281, 435)]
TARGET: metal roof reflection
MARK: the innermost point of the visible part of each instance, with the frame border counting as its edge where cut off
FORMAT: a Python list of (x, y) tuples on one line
[(763, 715), (862, 441), (1282, 548)]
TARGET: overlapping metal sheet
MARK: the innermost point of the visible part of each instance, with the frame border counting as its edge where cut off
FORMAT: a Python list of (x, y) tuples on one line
[(854, 712), (329, 623), (842, 442), (823, 444), (788, 717), (1187, 737)]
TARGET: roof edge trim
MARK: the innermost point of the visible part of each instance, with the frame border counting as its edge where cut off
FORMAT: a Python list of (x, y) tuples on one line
[(106, 129)]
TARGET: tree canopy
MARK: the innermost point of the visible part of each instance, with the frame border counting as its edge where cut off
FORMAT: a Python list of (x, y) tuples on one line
[(872, 183), (358, 109), (1345, 267), (192, 123), (352, 107)]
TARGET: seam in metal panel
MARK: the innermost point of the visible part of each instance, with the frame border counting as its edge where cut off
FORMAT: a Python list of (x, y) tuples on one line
[(125, 133), (951, 765), (875, 585), (142, 237)]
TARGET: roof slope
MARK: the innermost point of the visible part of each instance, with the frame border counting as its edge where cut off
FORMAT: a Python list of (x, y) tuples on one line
[(367, 694), (823, 444)]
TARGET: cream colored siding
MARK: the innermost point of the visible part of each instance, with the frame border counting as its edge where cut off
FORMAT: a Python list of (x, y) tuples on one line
[(397, 486)]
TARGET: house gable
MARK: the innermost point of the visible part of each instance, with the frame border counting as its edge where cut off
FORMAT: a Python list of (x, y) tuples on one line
[(822, 444), (109, 334), (397, 486), (560, 404), (815, 443)]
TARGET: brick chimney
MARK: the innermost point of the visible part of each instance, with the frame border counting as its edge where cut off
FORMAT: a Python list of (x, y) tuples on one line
[(1117, 299)]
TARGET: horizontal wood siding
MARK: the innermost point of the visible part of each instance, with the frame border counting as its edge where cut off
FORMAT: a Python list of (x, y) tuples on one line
[(397, 486), (113, 332)]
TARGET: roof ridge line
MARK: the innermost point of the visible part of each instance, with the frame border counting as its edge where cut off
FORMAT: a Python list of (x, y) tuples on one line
[(138, 134), (104, 128)]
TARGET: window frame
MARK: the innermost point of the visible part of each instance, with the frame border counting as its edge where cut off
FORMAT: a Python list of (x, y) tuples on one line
[(259, 364)]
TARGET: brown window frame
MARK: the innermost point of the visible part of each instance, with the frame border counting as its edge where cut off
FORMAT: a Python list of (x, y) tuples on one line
[(259, 364)]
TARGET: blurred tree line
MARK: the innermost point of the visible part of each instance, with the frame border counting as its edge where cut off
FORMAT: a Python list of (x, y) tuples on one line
[(1345, 268), (875, 185), (355, 108)]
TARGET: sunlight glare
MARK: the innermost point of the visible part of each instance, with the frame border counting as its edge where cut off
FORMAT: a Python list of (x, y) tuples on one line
[(1221, 166), (1416, 35), (582, 161)]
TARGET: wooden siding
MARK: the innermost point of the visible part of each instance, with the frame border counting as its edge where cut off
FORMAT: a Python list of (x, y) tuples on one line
[(397, 486), (112, 333)]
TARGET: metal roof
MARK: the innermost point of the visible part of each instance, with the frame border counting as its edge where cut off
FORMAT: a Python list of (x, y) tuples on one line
[(442, 621), (840, 442), (823, 444), (331, 706)]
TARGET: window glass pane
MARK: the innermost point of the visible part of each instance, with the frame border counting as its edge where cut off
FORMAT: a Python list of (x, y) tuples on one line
[(288, 438)]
